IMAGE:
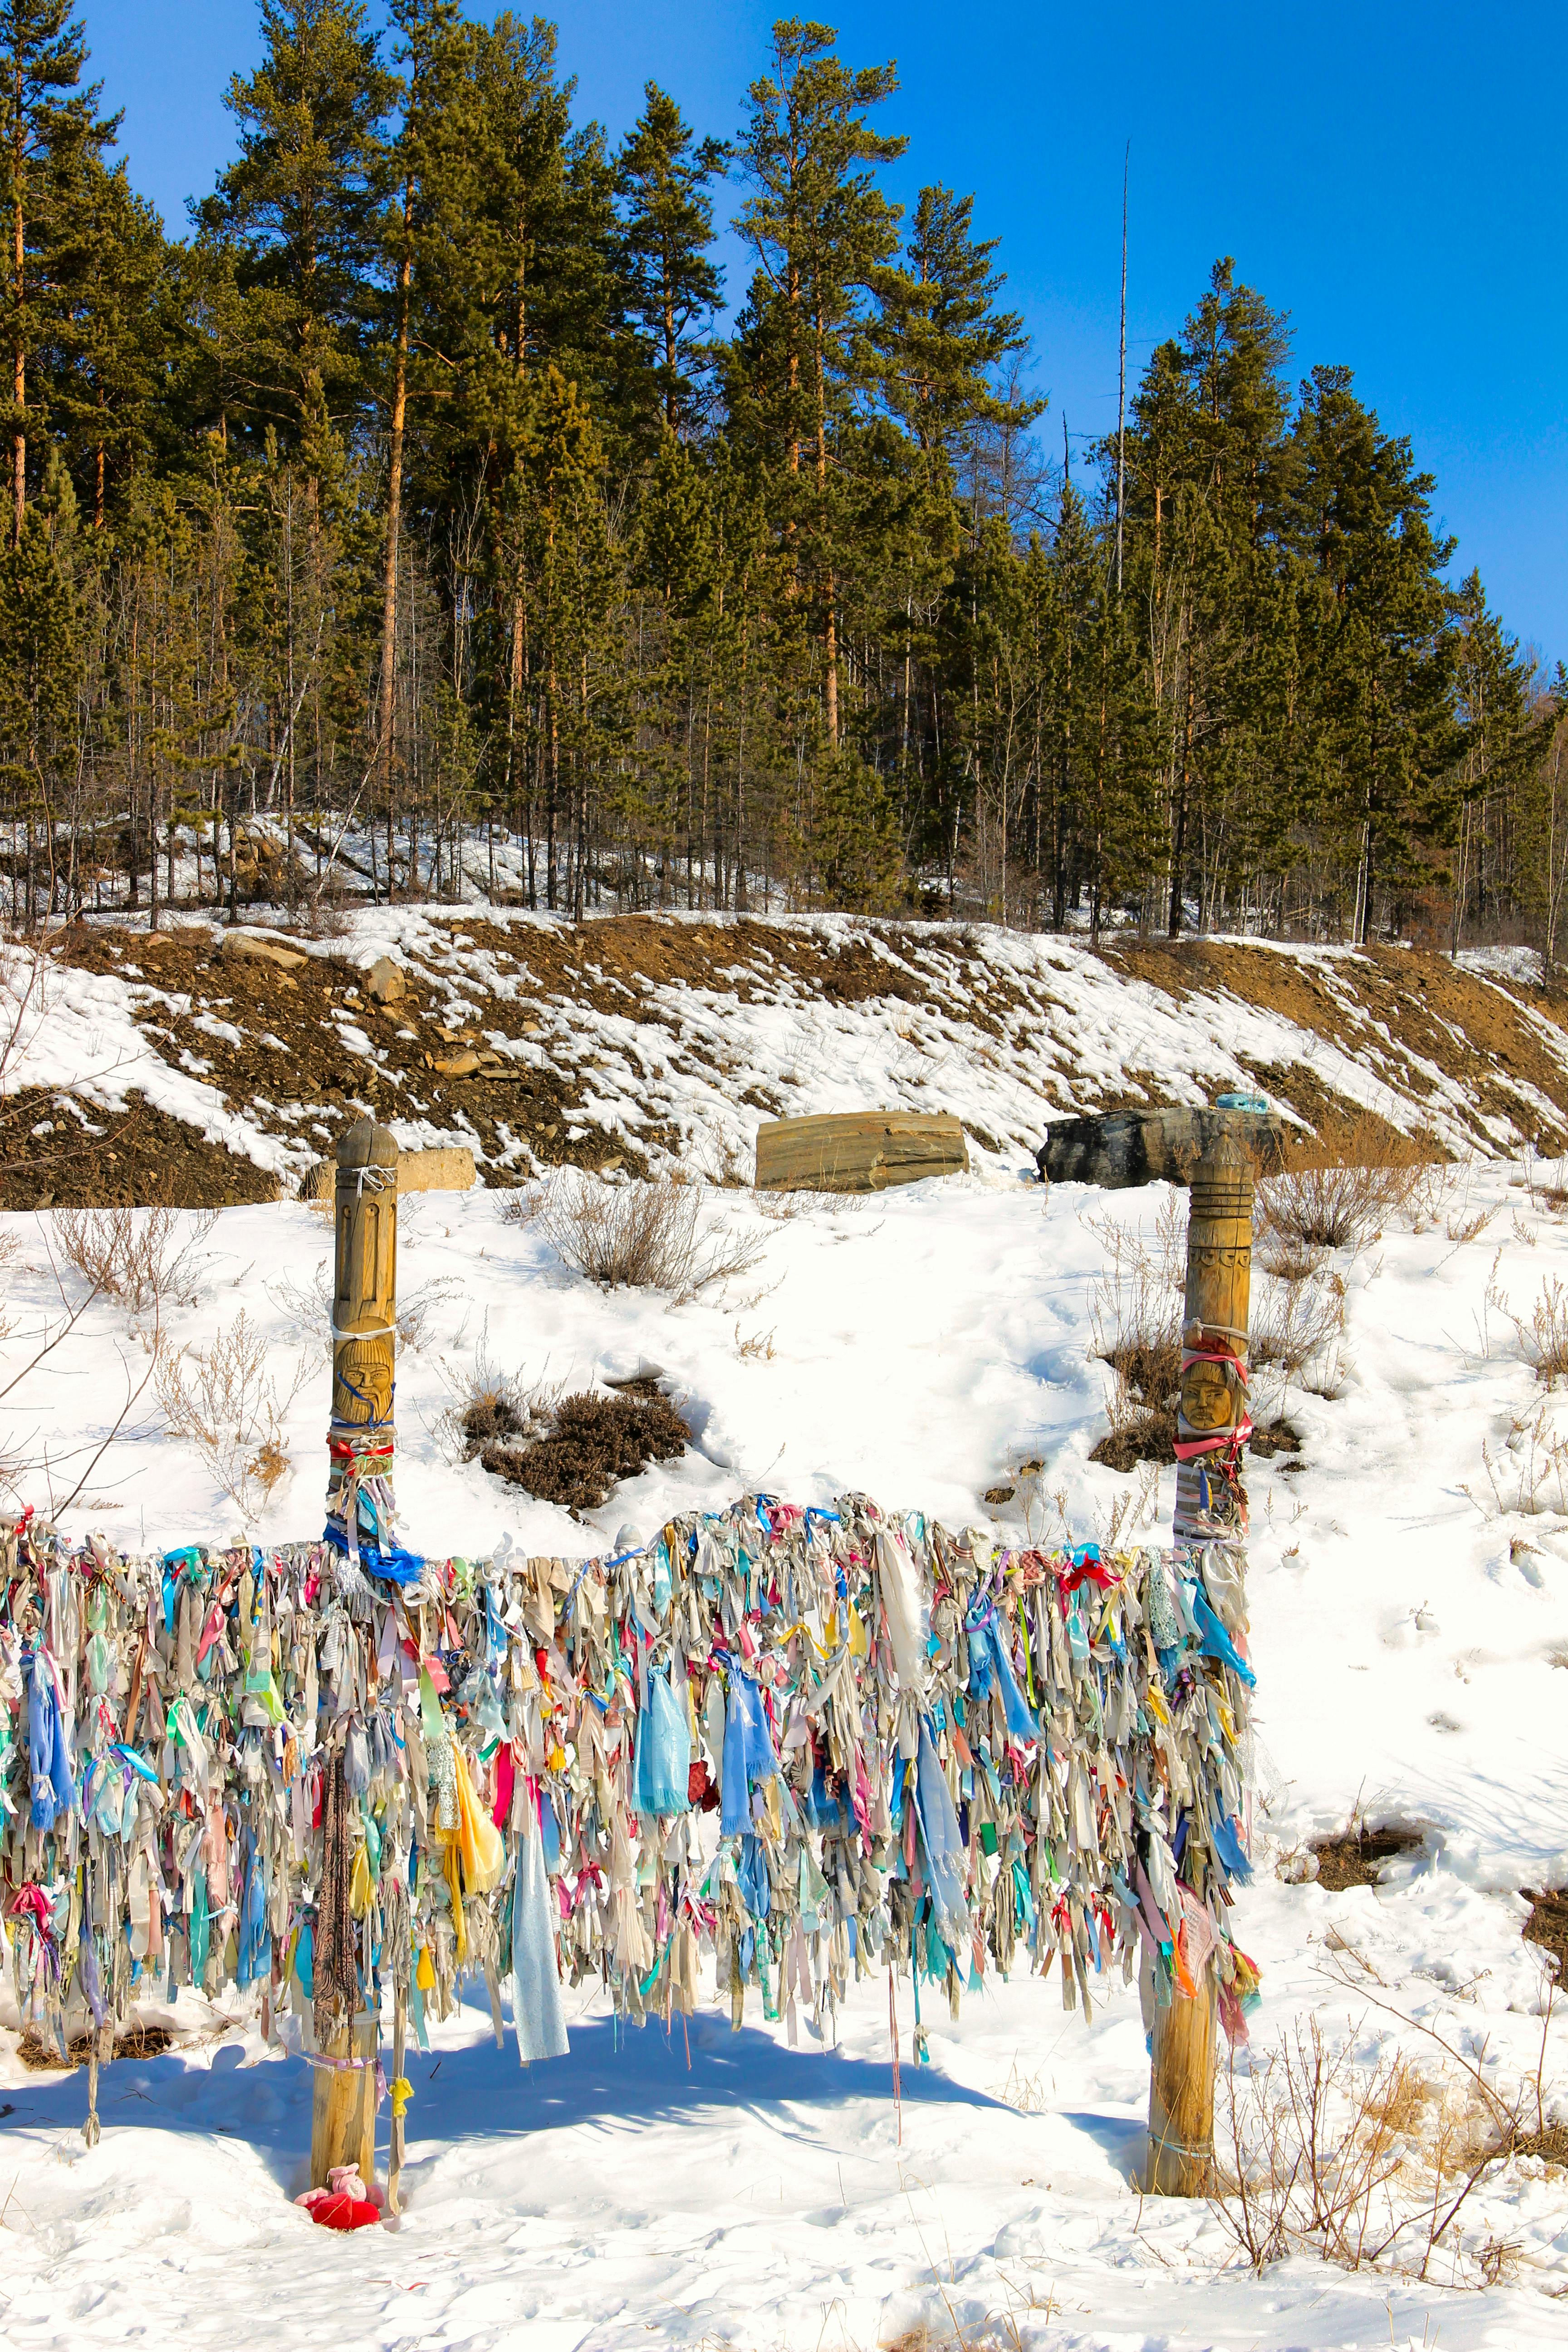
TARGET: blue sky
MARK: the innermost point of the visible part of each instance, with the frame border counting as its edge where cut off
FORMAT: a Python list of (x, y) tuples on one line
[(1389, 175)]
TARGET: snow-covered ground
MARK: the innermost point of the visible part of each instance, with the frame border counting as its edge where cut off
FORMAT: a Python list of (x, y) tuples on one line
[(1410, 1632)]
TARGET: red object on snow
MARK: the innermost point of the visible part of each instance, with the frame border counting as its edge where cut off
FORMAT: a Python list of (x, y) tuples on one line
[(343, 2203), (340, 2213)]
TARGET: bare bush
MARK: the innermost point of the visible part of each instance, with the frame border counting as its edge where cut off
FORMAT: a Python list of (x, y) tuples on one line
[(1546, 1181), (642, 1236), (146, 1258), (225, 1402), (1365, 2164), (1296, 1315), (307, 1306), (1337, 1189), (521, 1207), (1135, 1313)]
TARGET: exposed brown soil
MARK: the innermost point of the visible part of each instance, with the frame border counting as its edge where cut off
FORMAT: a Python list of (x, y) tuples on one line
[(1358, 1859), (138, 1156), (286, 1063), (589, 1444), (1421, 1007), (1548, 1925), (136, 2042)]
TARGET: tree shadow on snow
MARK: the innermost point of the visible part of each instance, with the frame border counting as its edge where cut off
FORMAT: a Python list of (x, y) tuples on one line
[(615, 2077)]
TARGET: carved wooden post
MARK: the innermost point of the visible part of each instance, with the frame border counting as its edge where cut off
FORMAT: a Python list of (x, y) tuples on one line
[(363, 1441), (361, 1444), (1211, 1507)]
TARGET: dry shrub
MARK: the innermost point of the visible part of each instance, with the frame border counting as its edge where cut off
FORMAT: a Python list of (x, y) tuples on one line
[(520, 1207), (1297, 1319), (222, 1401), (1337, 1189), (1135, 1312), (1544, 1338), (641, 1235), (146, 1258), (1531, 1474), (571, 1450), (1367, 2165), (1136, 1306)]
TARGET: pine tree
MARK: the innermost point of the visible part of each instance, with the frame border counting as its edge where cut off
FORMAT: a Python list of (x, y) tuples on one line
[(1501, 749), (49, 132), (938, 335), (1363, 517), (820, 227), (662, 178), (301, 205), (420, 213), (40, 631)]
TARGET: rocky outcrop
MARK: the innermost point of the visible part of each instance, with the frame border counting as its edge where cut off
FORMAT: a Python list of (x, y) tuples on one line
[(1115, 1148)]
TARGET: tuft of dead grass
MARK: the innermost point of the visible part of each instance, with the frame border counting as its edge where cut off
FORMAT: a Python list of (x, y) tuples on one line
[(132, 2041), (1529, 1476), (642, 1235), (1357, 1856), (1543, 1339), (147, 1259)]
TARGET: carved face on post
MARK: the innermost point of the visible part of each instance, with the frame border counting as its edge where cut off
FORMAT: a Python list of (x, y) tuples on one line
[(361, 1383), (1209, 1404)]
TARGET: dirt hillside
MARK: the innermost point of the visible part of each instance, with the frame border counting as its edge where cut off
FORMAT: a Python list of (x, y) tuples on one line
[(173, 1068)]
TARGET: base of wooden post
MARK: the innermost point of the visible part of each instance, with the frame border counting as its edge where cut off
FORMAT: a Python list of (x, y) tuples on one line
[(395, 2150), (1180, 2096), (342, 2111)]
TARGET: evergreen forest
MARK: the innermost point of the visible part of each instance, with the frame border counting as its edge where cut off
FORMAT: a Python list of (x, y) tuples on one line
[(425, 517)]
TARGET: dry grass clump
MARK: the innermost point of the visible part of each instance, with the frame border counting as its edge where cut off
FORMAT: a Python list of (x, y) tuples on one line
[(143, 1257), (1529, 1476), (1543, 1339), (1339, 1189), (43, 2056), (225, 1402), (1355, 1857), (571, 1450), (639, 1235)]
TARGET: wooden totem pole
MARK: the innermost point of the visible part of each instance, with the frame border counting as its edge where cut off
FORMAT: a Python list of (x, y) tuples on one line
[(1212, 1428), (361, 1445)]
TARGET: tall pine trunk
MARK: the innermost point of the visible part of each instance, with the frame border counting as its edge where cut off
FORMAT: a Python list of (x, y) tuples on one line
[(386, 709)]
